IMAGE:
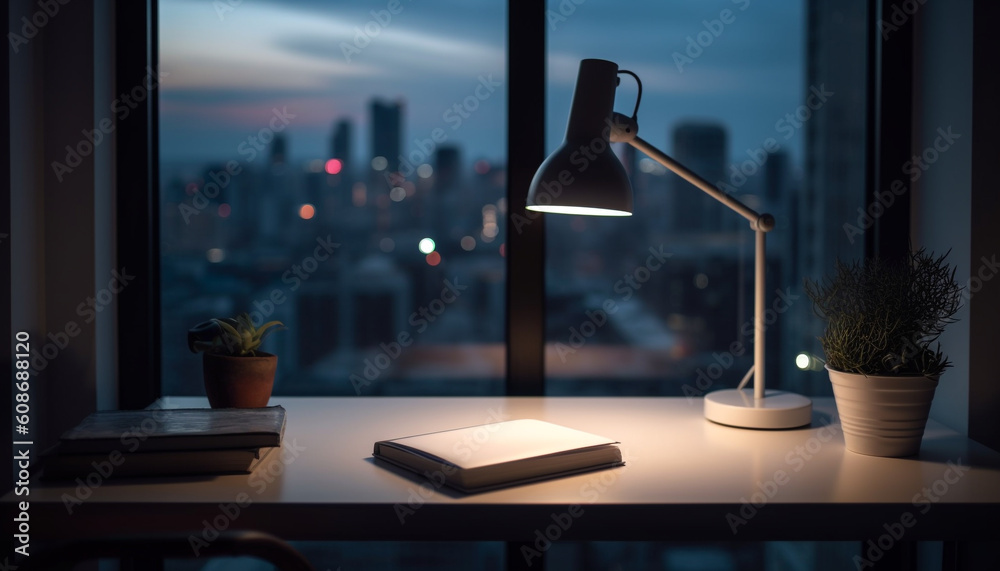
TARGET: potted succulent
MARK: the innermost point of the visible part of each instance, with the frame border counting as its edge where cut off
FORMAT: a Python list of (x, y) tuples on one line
[(237, 374), (882, 320)]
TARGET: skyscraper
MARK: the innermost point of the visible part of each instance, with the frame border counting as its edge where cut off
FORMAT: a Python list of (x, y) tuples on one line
[(386, 131), (835, 133), (702, 147), (776, 180), (279, 150), (447, 169), (834, 178), (448, 199), (340, 147)]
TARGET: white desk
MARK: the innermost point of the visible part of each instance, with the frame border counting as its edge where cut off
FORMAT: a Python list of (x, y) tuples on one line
[(683, 476)]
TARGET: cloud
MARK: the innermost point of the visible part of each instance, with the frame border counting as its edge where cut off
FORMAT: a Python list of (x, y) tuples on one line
[(397, 50), (201, 50)]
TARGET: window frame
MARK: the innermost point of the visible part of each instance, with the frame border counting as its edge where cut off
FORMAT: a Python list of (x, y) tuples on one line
[(6, 336)]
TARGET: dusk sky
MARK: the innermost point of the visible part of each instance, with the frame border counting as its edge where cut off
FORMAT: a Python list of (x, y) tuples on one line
[(229, 69)]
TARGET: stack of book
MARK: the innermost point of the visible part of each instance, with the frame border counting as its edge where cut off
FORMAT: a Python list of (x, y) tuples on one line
[(166, 442)]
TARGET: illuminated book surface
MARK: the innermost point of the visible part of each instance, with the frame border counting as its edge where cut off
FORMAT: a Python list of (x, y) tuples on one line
[(500, 454)]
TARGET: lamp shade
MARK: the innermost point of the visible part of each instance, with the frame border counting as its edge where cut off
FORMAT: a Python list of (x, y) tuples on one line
[(583, 176)]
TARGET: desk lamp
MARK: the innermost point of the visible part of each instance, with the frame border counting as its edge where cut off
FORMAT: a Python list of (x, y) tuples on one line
[(583, 176)]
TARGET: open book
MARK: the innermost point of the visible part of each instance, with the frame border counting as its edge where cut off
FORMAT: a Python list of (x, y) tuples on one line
[(488, 456)]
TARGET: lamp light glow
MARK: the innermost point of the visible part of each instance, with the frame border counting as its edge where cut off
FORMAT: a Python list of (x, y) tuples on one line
[(578, 210)]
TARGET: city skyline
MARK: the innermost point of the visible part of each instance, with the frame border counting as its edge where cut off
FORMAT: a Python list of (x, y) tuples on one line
[(712, 106)]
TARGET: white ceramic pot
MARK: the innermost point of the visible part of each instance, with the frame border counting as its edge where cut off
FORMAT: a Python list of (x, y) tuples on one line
[(882, 416)]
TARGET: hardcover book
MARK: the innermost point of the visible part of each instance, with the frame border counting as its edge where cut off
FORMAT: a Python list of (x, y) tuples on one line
[(176, 429), (489, 456), (57, 465)]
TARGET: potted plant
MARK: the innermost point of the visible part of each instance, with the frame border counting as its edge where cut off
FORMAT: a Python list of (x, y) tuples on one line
[(237, 374), (882, 318)]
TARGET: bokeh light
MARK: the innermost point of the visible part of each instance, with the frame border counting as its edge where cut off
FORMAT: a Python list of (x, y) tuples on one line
[(215, 255), (426, 246), (334, 166)]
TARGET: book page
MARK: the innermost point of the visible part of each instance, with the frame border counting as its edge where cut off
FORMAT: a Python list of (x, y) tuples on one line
[(500, 442)]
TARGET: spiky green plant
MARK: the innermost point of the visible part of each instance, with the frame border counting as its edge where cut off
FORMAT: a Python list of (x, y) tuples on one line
[(233, 336), (883, 317)]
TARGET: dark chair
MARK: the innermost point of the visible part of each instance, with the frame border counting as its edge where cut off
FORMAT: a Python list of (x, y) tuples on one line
[(65, 555)]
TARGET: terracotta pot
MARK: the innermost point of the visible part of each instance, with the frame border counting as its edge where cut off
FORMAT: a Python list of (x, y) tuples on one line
[(239, 382), (882, 416)]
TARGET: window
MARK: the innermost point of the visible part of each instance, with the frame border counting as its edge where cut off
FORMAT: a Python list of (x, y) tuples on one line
[(767, 101), (340, 168), (280, 194)]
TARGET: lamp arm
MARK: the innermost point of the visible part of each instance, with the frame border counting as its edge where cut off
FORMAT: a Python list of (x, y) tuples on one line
[(761, 224), (757, 221)]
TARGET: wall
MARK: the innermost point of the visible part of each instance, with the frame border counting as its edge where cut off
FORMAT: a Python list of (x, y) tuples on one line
[(941, 207)]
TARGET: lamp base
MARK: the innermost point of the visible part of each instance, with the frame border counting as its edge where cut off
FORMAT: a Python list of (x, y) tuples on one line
[(778, 409)]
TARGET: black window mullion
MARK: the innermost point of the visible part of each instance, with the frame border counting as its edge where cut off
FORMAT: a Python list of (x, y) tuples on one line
[(137, 204), (525, 234), (890, 133)]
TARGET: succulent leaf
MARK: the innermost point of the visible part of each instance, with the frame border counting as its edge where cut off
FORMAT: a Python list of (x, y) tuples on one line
[(234, 336)]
